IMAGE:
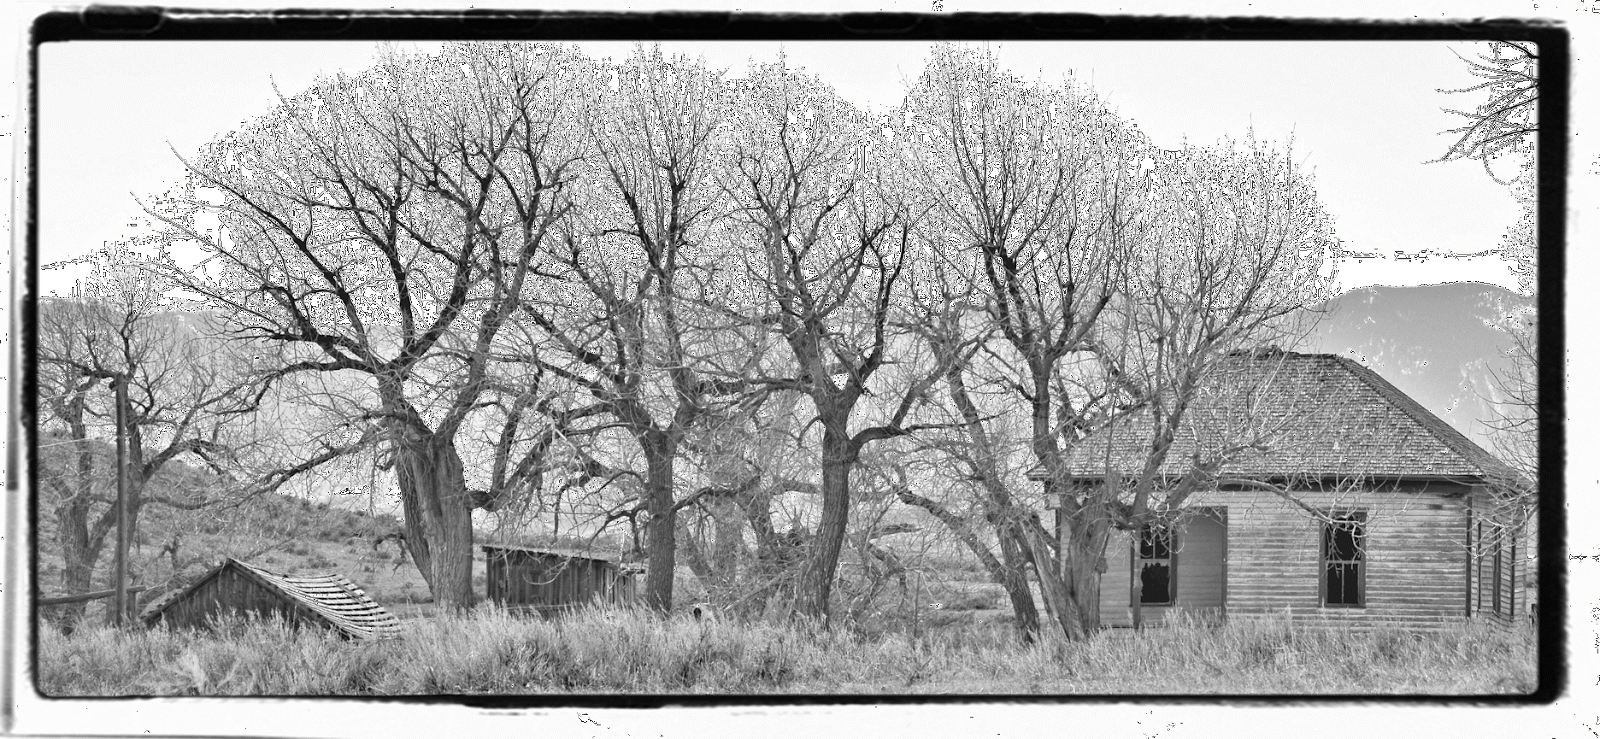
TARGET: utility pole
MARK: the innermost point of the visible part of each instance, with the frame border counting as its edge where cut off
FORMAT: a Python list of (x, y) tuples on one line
[(119, 606)]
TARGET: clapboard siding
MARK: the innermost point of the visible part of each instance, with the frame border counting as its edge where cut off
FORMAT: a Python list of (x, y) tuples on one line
[(1490, 530), (1199, 566), (1412, 556), (1415, 559)]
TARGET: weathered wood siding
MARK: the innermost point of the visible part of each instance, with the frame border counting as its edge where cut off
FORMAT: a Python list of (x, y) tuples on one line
[(229, 593), (550, 582), (1415, 558), (1495, 537), (1202, 556), (1199, 568)]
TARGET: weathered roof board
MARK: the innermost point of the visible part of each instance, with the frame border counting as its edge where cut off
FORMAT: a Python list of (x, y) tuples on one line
[(587, 554), (1329, 415), (330, 599)]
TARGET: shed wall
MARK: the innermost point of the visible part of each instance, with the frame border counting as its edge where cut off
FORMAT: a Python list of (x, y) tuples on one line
[(551, 582), (229, 593)]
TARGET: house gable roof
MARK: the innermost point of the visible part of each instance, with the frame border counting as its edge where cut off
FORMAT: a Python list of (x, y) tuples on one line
[(331, 598), (1314, 415)]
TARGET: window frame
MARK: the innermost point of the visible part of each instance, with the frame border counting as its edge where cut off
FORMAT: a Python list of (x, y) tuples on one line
[(1171, 561), (1499, 571), (1481, 562), (1324, 542)]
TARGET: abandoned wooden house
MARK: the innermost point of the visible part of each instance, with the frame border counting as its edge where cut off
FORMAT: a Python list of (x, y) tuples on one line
[(240, 589), (1343, 500), (550, 582)]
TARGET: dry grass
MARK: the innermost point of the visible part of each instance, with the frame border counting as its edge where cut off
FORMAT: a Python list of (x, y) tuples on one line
[(493, 652)]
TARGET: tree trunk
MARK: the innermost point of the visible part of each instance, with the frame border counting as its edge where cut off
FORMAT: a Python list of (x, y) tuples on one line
[(816, 579), (1014, 578), (438, 518), (661, 529), (77, 558), (79, 547), (1052, 588), (416, 534), (1081, 578), (729, 531), (1072, 588)]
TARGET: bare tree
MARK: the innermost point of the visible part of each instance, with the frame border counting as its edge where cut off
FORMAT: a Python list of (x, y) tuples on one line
[(187, 399), (378, 232), (1505, 127), (1035, 191), (830, 229), (1102, 277), (1506, 122), (624, 307), (1239, 250)]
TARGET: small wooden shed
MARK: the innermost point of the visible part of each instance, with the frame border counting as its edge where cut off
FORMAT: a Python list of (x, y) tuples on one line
[(237, 588), (552, 582)]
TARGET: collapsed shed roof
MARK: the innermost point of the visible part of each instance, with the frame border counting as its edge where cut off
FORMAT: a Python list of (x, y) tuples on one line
[(329, 599)]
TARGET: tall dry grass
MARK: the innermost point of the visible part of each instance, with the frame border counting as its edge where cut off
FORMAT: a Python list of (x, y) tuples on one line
[(491, 651)]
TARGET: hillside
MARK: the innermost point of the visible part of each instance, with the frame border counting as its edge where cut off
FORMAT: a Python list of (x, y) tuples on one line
[(284, 533)]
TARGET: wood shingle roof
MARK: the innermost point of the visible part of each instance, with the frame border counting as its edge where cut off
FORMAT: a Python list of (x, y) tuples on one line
[(1297, 415)]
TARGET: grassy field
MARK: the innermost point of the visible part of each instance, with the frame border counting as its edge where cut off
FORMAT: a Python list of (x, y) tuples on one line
[(963, 639), (492, 652)]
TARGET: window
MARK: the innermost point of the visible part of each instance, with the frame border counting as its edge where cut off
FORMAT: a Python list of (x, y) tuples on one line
[(1343, 559), (1482, 562), (1154, 565), (1498, 573), (1511, 587)]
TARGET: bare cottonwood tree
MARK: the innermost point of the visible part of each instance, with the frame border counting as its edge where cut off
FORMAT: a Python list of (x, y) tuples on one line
[(1035, 192), (623, 307), (382, 229), (188, 398), (829, 228), (1091, 276)]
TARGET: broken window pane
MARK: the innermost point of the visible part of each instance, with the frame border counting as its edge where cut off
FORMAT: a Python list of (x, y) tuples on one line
[(1155, 565), (1343, 545)]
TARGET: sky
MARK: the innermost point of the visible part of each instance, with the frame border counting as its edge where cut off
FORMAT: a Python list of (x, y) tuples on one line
[(1365, 117)]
